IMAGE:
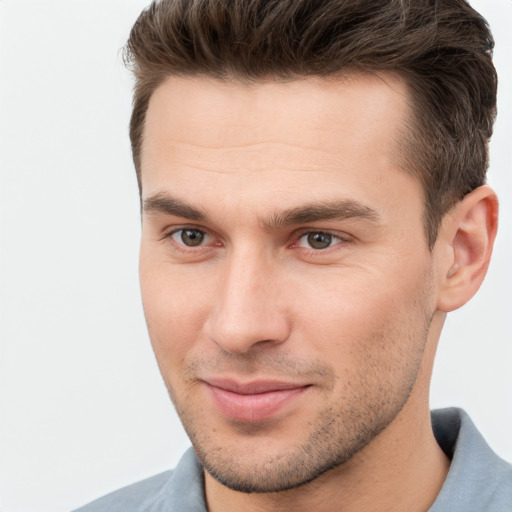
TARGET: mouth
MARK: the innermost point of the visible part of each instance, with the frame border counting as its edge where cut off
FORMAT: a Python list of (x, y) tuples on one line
[(254, 401)]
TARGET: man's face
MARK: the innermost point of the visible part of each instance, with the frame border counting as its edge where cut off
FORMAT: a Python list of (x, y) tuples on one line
[(285, 274)]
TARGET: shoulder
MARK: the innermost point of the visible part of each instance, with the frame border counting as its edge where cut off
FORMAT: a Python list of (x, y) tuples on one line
[(178, 490), (135, 497), (478, 479)]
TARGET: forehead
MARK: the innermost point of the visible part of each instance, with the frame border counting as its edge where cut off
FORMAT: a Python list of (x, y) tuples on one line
[(303, 135), (292, 111)]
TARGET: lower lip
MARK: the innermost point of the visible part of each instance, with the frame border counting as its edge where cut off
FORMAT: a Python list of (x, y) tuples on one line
[(256, 407)]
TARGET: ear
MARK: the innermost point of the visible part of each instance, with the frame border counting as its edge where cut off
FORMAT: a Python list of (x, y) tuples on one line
[(466, 239)]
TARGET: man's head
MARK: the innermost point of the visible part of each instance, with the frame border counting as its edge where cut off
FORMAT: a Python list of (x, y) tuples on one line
[(292, 295), (442, 50)]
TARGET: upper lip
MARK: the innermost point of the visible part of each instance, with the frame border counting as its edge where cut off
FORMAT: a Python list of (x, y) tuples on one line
[(252, 387)]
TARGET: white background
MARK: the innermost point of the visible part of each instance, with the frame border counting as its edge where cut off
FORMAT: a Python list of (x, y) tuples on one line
[(82, 407)]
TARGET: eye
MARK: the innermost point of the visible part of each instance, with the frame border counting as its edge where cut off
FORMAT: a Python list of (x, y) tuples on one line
[(189, 237), (318, 240)]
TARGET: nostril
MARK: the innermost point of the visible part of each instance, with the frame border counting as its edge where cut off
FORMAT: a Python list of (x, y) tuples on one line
[(242, 337)]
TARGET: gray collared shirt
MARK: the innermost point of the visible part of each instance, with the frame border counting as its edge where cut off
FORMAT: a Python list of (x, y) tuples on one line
[(478, 480)]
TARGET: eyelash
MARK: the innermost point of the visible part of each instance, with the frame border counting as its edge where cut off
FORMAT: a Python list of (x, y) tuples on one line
[(182, 246), (336, 238)]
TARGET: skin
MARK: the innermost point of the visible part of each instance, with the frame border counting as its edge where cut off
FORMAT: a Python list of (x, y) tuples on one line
[(256, 173)]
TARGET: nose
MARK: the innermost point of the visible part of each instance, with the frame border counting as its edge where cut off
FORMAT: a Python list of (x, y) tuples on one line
[(249, 309)]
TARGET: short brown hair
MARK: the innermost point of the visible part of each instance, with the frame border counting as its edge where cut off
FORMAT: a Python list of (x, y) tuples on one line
[(441, 48)]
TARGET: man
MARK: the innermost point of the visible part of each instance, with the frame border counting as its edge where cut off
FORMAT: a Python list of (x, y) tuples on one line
[(312, 180)]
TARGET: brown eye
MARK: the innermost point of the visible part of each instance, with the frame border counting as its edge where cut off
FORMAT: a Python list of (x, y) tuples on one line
[(189, 237), (319, 240)]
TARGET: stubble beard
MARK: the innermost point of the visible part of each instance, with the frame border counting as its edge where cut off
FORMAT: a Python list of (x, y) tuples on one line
[(336, 436), (329, 446), (337, 433)]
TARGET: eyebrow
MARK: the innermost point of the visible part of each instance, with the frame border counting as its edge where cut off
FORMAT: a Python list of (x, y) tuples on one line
[(339, 209), (163, 203)]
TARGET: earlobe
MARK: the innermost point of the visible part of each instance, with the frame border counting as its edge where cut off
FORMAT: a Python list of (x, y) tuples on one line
[(467, 236)]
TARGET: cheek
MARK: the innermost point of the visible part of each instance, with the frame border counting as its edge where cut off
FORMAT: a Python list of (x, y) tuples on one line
[(345, 299), (356, 317), (175, 306)]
